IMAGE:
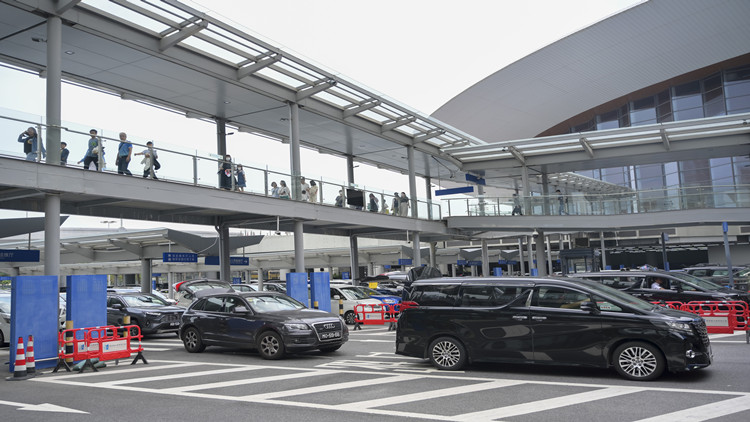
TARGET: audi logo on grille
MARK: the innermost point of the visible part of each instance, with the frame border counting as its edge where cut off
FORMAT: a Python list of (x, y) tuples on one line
[(329, 326)]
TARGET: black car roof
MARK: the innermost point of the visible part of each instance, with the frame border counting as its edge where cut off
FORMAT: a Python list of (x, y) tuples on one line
[(231, 292)]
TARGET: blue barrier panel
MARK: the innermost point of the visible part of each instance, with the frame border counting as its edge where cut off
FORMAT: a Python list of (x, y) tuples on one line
[(345, 275), (35, 303), (296, 287), (86, 297), (534, 272), (497, 271), (320, 290)]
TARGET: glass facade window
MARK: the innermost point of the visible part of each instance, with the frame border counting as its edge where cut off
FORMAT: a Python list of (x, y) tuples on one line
[(609, 120), (701, 182), (687, 102), (643, 112)]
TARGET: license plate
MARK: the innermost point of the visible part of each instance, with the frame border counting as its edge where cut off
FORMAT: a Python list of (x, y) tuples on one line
[(325, 336)]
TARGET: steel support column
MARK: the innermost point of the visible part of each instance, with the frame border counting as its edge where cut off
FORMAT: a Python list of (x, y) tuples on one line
[(294, 159), (354, 255), (417, 249), (521, 256), (54, 90), (540, 258), (225, 271), (485, 259), (412, 182), (299, 246), (145, 275), (52, 234)]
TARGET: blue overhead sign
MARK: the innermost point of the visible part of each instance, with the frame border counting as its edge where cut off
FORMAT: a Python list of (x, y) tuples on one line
[(453, 191), (461, 262), (179, 257), (19, 255), (233, 260), (475, 179), (475, 263), (404, 261)]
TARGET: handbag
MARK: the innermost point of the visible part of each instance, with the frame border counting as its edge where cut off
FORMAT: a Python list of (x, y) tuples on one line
[(157, 166)]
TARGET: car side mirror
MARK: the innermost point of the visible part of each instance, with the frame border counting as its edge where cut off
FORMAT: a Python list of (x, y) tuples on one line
[(336, 297), (590, 307), (240, 310), (117, 306)]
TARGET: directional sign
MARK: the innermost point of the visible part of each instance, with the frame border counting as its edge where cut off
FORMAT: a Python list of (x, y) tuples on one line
[(404, 261), (19, 255), (233, 260), (179, 257)]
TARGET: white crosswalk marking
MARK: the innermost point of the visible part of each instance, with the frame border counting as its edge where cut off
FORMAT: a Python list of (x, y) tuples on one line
[(548, 404), (372, 372), (705, 412)]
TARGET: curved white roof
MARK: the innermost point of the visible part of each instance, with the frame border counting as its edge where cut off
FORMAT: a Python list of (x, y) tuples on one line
[(641, 46)]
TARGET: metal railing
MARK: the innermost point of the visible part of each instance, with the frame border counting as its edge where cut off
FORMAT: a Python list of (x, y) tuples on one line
[(196, 167), (644, 201)]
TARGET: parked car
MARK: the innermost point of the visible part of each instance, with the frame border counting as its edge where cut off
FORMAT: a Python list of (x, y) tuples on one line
[(719, 274), (185, 290), (131, 289), (4, 317), (675, 286), (273, 323), (351, 296), (147, 311), (271, 286), (245, 287), (553, 321)]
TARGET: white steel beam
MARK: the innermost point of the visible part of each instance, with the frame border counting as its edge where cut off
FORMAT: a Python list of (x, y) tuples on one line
[(401, 121), (262, 62), (177, 36), (587, 147), (318, 86), (362, 106)]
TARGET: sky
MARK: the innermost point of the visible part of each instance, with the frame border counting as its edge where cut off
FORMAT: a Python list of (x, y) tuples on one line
[(420, 53)]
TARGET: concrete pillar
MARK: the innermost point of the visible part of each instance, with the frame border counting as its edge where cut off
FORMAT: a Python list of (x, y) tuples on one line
[(412, 182), (549, 256), (485, 259), (282, 274), (530, 253), (299, 247), (428, 189), (146, 275), (433, 252), (453, 269), (417, 249), (52, 234), (225, 271), (260, 279), (350, 169), (54, 91), (354, 254), (370, 269), (521, 259), (482, 202), (526, 191), (221, 142), (540, 258), (603, 250), (545, 193), (294, 159)]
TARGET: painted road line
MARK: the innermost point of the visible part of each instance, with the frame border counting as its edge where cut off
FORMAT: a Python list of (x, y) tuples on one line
[(122, 368), (178, 376), (246, 381), (333, 387), (370, 340), (43, 407), (547, 404), (706, 412), (432, 394)]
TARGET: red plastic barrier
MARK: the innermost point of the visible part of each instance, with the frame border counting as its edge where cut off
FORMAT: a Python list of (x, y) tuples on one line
[(721, 317), (102, 343), (669, 304), (370, 314)]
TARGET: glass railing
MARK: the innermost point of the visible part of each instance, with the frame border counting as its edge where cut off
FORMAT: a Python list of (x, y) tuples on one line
[(644, 201), (179, 165)]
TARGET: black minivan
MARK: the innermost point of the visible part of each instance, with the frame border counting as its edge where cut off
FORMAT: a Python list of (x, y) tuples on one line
[(548, 321)]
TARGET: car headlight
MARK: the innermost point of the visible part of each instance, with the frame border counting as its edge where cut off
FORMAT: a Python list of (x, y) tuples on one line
[(153, 313), (297, 327), (389, 301), (681, 326)]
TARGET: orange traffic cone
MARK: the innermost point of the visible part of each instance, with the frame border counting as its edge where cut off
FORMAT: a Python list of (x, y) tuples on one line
[(30, 365), (19, 369)]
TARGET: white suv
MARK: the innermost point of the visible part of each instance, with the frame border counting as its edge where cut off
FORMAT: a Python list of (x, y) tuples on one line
[(351, 296)]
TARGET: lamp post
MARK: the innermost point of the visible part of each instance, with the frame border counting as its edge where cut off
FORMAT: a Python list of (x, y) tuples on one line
[(108, 222)]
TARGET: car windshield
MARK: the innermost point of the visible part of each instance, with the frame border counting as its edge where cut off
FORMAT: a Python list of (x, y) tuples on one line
[(745, 272), (353, 293), (5, 303), (697, 282), (369, 292), (620, 296), (273, 303), (143, 301), (206, 285)]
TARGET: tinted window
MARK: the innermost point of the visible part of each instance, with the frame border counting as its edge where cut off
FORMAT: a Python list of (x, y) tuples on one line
[(486, 296), (213, 304), (199, 305), (435, 295), (606, 305), (559, 297)]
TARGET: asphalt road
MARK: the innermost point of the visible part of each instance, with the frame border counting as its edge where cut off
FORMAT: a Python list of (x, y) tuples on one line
[(365, 381)]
